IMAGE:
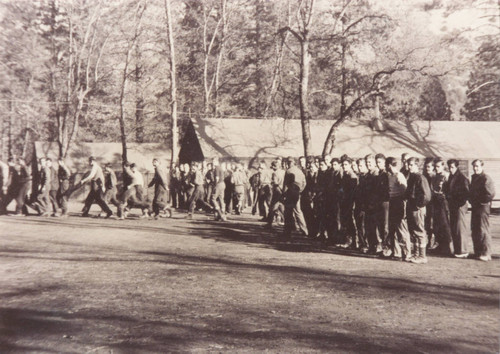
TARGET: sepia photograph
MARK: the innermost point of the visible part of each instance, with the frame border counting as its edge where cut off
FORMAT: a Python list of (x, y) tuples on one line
[(250, 176)]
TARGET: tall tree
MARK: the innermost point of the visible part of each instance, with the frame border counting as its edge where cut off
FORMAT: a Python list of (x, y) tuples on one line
[(305, 14), (173, 83)]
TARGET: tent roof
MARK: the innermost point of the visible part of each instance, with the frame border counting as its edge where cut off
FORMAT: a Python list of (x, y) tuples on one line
[(266, 138), (77, 157)]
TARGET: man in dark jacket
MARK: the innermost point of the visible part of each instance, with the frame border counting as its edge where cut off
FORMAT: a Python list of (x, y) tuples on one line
[(63, 174), (160, 182), (382, 190), (482, 192), (349, 184), (360, 207), (457, 193), (418, 195), (440, 209)]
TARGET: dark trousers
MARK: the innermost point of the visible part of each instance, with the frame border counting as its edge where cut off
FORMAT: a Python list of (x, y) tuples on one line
[(42, 201), (17, 193), (307, 206), (293, 212), (332, 218), (217, 199), (347, 222), (441, 224), (111, 197), (377, 226), (133, 198), (264, 200), (458, 227), (197, 197), (53, 201), (276, 208), (480, 227), (62, 198), (359, 217), (160, 200), (96, 195)]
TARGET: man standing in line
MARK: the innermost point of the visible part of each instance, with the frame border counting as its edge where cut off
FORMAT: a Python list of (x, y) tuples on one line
[(220, 187), (264, 191), (440, 210), (333, 202), (160, 183), (372, 207), (482, 192), (239, 179), (457, 193), (418, 195), (399, 237), (96, 194), (294, 184), (277, 179), (429, 173), (361, 242), (383, 203), (63, 174), (54, 189), (349, 183)]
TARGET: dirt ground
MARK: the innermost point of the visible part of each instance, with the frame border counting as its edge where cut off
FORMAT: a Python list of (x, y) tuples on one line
[(176, 285)]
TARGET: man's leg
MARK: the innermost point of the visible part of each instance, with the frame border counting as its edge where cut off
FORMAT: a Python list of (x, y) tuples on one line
[(484, 236), (418, 221), (459, 229)]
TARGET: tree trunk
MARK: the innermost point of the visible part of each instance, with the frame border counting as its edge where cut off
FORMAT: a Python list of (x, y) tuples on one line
[(173, 86), (139, 99), (303, 92)]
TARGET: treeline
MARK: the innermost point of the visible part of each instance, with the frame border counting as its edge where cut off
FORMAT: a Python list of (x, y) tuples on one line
[(98, 70)]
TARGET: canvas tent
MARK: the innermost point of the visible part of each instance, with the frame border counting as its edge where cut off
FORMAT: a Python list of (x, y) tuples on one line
[(251, 140)]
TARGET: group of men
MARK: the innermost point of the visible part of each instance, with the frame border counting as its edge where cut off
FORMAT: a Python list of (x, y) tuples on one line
[(369, 204), (43, 191), (47, 189), (374, 206)]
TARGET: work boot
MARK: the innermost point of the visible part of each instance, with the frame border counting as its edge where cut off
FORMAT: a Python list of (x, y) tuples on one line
[(421, 258)]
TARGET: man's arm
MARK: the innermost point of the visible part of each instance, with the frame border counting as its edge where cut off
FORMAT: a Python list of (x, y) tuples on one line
[(91, 175)]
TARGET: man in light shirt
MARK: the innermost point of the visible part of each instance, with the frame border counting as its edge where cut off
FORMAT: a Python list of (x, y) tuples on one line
[(96, 194)]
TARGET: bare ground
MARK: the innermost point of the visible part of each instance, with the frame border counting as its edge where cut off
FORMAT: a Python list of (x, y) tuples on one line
[(172, 285)]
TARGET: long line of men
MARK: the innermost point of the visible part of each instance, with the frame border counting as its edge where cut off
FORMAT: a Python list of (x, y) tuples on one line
[(367, 204)]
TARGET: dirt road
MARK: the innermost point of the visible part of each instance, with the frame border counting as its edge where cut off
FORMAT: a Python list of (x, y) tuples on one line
[(173, 285)]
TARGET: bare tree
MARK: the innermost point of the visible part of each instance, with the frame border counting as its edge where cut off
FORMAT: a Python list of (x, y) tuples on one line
[(173, 83), (305, 14)]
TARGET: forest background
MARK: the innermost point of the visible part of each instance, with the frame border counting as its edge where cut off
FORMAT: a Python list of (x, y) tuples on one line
[(136, 71)]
